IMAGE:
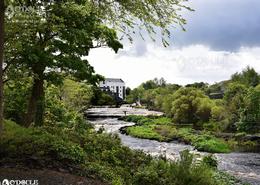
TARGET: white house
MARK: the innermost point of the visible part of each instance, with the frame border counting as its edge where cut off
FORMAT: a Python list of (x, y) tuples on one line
[(114, 85)]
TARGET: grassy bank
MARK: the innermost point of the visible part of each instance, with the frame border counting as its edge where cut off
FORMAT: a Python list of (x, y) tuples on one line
[(161, 129), (82, 151)]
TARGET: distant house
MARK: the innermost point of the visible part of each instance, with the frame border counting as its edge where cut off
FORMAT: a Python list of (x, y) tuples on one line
[(115, 86)]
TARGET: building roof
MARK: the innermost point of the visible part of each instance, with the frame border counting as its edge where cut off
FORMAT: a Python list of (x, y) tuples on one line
[(114, 80)]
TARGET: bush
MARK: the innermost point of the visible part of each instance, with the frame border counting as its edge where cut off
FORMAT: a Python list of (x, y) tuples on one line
[(92, 154), (19, 142), (160, 129), (190, 105), (182, 172), (213, 145), (16, 93), (99, 155), (211, 161), (250, 114)]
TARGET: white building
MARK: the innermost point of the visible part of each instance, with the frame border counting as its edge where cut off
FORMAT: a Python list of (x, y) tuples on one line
[(114, 85)]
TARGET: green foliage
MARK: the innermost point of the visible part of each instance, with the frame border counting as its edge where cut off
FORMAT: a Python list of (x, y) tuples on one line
[(153, 94), (146, 132), (234, 93), (198, 85), (211, 144), (218, 113), (182, 172), (161, 129), (248, 77), (211, 161), (250, 114), (190, 106), (64, 103), (153, 84), (76, 95), (16, 92), (52, 42), (105, 99), (217, 126), (226, 179), (136, 95), (19, 142), (151, 14), (102, 98), (148, 120), (203, 141), (102, 156), (234, 98)]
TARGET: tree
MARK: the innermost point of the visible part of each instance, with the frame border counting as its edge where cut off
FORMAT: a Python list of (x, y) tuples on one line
[(150, 84), (250, 114), (130, 16), (234, 100), (198, 85), (2, 14), (136, 95), (16, 93), (190, 105), (61, 33), (54, 44), (128, 91), (248, 77)]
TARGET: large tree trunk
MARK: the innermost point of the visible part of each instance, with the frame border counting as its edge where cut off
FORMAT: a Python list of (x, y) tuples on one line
[(35, 108), (2, 9)]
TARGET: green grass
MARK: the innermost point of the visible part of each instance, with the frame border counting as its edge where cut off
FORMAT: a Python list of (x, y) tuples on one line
[(161, 129), (149, 120), (145, 132), (203, 141)]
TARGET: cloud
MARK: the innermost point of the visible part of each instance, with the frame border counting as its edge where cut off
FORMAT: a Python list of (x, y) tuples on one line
[(222, 37), (194, 63), (224, 25), (138, 49), (221, 24)]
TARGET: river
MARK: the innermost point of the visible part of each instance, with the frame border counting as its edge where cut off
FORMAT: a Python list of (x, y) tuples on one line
[(245, 166)]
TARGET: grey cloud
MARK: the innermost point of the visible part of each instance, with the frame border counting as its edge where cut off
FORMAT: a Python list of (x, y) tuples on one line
[(225, 25), (138, 49), (221, 24)]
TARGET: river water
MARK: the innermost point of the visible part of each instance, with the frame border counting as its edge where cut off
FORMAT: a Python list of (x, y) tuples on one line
[(245, 166)]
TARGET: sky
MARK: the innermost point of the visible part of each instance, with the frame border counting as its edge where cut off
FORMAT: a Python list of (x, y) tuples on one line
[(222, 37)]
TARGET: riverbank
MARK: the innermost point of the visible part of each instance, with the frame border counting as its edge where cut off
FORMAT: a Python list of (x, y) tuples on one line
[(98, 157), (162, 129)]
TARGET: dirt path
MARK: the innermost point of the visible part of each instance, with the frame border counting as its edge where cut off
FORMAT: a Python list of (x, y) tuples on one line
[(46, 177)]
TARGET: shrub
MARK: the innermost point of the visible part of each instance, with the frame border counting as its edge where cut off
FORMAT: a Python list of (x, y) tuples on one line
[(212, 145), (19, 141), (250, 114), (101, 155), (190, 105), (210, 160), (182, 172)]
